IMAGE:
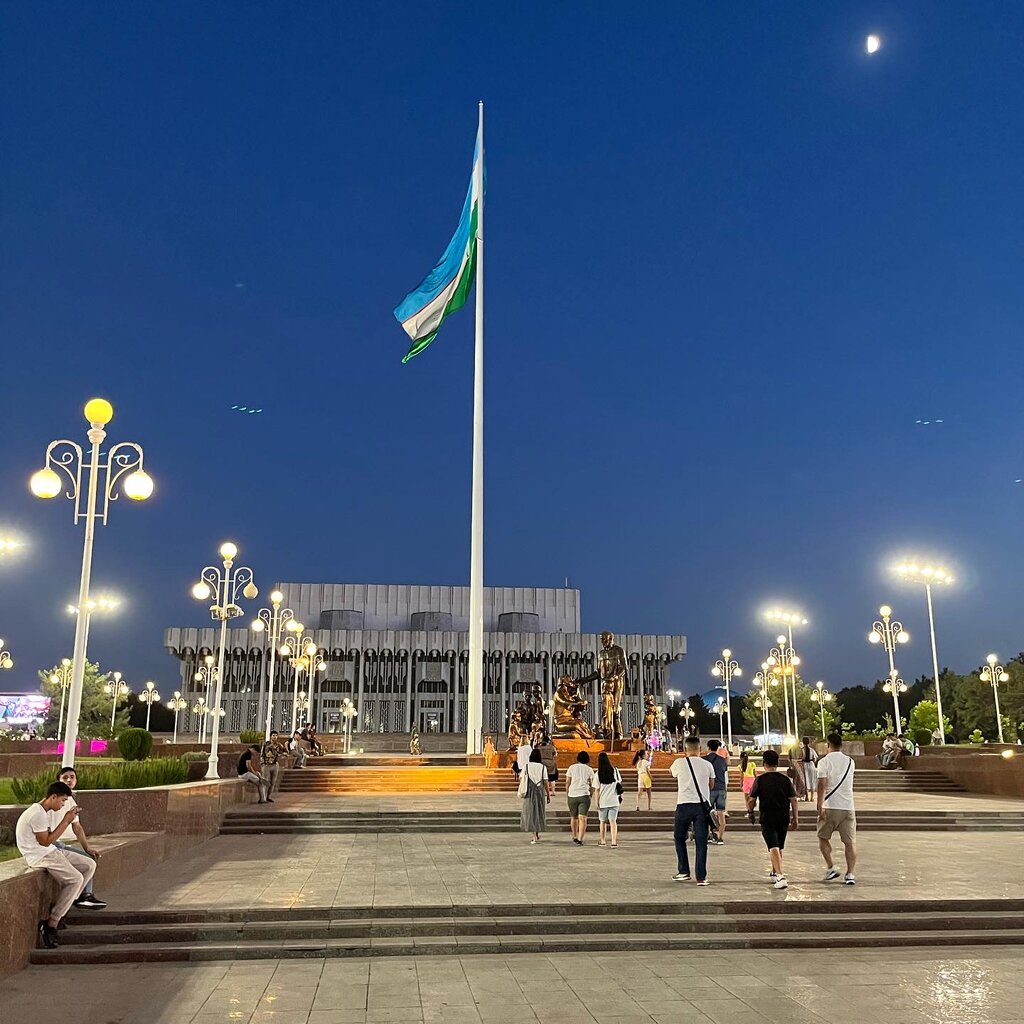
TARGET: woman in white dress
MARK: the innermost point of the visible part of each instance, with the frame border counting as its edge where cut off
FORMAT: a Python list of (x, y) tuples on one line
[(809, 767)]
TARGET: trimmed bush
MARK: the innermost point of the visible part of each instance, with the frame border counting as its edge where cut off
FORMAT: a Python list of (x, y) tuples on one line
[(161, 771), (921, 736), (135, 744), (248, 736), (191, 756)]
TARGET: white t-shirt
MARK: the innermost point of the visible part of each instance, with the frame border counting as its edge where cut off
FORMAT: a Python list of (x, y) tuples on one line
[(608, 797), (535, 770), (685, 793), (642, 766), (56, 817), (580, 779), (523, 752), (33, 819), (831, 768)]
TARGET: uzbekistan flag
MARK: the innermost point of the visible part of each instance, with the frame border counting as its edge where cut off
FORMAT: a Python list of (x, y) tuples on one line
[(444, 290)]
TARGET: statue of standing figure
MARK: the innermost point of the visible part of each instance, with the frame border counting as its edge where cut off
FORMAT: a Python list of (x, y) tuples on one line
[(650, 725), (611, 670)]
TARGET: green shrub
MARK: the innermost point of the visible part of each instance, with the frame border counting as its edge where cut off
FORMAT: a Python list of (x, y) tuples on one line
[(922, 736), (191, 756), (249, 736), (976, 737), (161, 771), (135, 744), (6, 835)]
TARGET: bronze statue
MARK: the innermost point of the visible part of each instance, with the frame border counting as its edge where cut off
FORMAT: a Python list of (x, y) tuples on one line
[(650, 716), (535, 702), (611, 670), (516, 730), (568, 708)]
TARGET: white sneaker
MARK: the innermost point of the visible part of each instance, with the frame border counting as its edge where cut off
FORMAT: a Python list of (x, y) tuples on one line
[(849, 880), (781, 883), (773, 878), (831, 875), (680, 877)]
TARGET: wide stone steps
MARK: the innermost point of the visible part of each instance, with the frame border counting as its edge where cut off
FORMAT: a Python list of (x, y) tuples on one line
[(252, 821), (775, 923)]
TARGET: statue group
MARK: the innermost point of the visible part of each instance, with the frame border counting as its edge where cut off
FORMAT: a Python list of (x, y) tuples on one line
[(527, 723)]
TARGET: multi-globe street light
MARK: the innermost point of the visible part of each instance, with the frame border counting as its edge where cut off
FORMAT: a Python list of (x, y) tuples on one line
[(725, 668), (301, 707), (116, 690), (6, 661), (202, 711), (206, 676), (687, 714), (764, 680), (821, 697), (226, 584), (176, 704), (789, 618), (930, 576), (305, 657), (890, 634), (270, 621), (103, 603), (783, 660), (763, 702), (61, 677), (673, 696), (149, 695), (995, 674), (124, 459), (348, 712), (721, 709)]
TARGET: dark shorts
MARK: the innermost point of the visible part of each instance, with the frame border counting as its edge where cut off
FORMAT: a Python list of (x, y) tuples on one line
[(774, 833)]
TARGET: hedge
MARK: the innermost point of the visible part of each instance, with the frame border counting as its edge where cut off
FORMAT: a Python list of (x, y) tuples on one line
[(165, 771)]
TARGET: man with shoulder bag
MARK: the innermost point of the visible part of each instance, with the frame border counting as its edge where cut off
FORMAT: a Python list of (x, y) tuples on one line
[(835, 808), (694, 779)]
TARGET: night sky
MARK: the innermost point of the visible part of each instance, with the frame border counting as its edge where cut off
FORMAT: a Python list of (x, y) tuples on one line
[(731, 261)]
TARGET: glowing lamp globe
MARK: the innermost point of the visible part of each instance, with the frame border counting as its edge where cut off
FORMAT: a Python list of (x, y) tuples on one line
[(228, 551), (98, 412), (201, 592), (138, 485), (45, 483), (276, 596), (257, 626), (250, 592)]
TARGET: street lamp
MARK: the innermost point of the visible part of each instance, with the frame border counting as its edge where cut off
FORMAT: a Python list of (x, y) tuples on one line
[(889, 633), (306, 657), (673, 696), (115, 690), (104, 603), (929, 575), (225, 586), (764, 680), (789, 618), (177, 703), (124, 459), (783, 661), (270, 620), (201, 710), (6, 661), (148, 696), (763, 702), (348, 712), (725, 668), (822, 696), (721, 709), (207, 677), (995, 674), (61, 677), (302, 706), (686, 713)]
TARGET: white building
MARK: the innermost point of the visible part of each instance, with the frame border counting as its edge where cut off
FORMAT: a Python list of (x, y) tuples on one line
[(401, 654)]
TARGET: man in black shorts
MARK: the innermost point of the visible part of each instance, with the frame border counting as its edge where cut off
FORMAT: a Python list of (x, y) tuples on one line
[(779, 812)]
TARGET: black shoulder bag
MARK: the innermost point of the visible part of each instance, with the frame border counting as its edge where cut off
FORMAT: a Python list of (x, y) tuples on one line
[(840, 783), (712, 824)]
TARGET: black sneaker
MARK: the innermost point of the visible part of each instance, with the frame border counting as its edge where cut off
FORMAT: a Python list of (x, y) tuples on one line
[(90, 901), (62, 925), (270, 799), (48, 935)]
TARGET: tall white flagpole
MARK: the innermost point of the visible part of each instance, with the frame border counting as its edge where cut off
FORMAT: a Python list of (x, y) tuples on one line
[(475, 697)]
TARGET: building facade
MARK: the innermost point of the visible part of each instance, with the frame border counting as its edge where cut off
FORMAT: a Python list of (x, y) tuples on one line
[(401, 654)]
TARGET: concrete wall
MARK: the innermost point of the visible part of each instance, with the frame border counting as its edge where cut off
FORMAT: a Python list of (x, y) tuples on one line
[(985, 772)]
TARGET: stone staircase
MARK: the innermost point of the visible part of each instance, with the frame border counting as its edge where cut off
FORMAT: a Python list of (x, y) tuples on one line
[(257, 820), (112, 937)]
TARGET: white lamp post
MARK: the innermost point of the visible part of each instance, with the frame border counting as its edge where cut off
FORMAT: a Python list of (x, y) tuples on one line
[(995, 674), (686, 713), (115, 690), (124, 459), (148, 696), (306, 657), (783, 662), (890, 633), (763, 702), (822, 696), (789, 618), (929, 575), (301, 707), (725, 668), (177, 703), (201, 710), (206, 676), (225, 586), (721, 710), (673, 696), (270, 620), (764, 680), (348, 712), (62, 677)]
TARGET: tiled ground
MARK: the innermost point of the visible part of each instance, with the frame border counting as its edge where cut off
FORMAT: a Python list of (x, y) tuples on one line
[(850, 987)]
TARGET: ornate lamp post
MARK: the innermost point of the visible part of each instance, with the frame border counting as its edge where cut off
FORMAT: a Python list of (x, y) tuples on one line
[(102, 473), (929, 575), (306, 657), (763, 702), (764, 680), (995, 674), (687, 714), (348, 712), (821, 697), (301, 707), (889, 633), (6, 661), (148, 696), (721, 709), (789, 618), (225, 585), (783, 661), (61, 677), (270, 620), (673, 696), (117, 690), (201, 710), (177, 703), (725, 668), (206, 676)]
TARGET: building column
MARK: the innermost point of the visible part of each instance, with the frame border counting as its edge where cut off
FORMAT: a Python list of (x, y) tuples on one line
[(358, 683), (408, 690)]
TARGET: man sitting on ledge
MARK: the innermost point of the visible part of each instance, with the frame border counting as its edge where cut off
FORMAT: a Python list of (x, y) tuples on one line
[(37, 844)]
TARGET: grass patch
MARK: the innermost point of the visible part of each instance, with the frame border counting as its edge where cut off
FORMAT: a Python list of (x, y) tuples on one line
[(6, 793), (9, 853)]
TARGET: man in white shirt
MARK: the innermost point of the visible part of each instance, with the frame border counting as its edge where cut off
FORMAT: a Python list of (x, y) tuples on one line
[(84, 851), (36, 841), (694, 780), (835, 808), (580, 781)]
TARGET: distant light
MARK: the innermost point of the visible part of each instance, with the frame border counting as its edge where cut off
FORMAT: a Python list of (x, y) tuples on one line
[(872, 44)]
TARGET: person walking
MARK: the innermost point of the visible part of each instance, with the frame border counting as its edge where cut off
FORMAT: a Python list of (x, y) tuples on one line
[(836, 809), (643, 762), (694, 778), (748, 772), (88, 898), (779, 813), (579, 783), (808, 766), (718, 757), (549, 758), (270, 754), (533, 788), (249, 771), (609, 796)]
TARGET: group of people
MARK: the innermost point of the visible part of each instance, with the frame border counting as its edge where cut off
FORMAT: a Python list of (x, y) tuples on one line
[(260, 766), (42, 834)]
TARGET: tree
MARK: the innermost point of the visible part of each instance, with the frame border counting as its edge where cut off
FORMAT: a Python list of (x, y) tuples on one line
[(94, 720), (924, 715)]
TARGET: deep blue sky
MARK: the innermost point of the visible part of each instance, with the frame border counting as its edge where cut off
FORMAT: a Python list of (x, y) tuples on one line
[(731, 260)]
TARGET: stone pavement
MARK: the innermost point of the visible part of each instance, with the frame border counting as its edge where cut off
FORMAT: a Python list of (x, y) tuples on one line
[(951, 986)]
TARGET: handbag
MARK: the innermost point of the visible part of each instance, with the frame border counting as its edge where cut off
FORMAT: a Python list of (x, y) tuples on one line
[(709, 818), (524, 783), (618, 785)]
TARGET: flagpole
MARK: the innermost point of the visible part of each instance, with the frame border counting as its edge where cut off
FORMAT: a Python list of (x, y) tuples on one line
[(474, 703)]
